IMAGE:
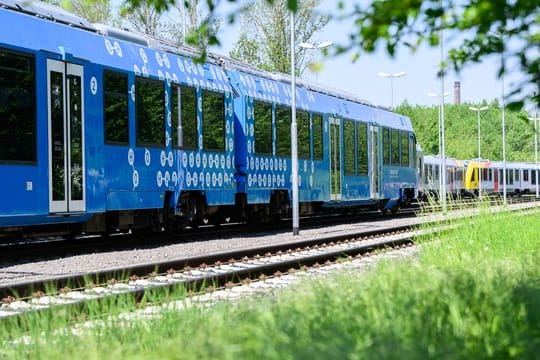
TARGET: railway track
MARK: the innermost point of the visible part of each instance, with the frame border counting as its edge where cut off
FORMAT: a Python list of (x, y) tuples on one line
[(195, 273), (199, 272)]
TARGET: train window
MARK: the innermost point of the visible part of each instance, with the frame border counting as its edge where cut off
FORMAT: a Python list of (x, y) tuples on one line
[(283, 131), (436, 173), (317, 128), (17, 107), (516, 175), (362, 144), (525, 175), (150, 110), (500, 177), (184, 117), (348, 147), (115, 107), (263, 127), (213, 120), (395, 147), (533, 177), (405, 149), (302, 120), (386, 146)]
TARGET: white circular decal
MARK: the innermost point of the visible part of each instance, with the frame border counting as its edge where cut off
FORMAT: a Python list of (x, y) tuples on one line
[(163, 158), (131, 157), (109, 46), (147, 157), (135, 178), (159, 178), (142, 53), (117, 49), (93, 85), (170, 159)]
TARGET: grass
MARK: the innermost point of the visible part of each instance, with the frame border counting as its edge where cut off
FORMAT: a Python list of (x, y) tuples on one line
[(474, 294)]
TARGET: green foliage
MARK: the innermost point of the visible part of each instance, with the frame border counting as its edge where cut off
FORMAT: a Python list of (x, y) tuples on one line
[(461, 131), (265, 38), (489, 25), (472, 293)]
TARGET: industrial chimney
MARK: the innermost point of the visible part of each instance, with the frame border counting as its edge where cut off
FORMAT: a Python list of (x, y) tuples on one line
[(457, 93)]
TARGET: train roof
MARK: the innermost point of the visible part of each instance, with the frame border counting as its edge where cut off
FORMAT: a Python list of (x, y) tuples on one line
[(114, 48), (275, 87), (72, 38)]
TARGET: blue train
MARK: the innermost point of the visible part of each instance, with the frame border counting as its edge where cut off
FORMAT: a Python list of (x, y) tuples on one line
[(105, 130)]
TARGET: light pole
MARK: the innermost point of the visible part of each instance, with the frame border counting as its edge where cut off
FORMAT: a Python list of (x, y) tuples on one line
[(500, 36), (535, 119), (479, 109), (294, 140), (391, 76), (320, 46), (442, 157)]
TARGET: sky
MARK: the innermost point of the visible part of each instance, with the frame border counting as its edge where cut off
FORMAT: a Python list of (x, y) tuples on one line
[(478, 81)]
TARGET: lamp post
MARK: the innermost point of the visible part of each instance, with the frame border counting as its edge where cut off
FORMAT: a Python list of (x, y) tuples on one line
[(500, 36), (442, 157), (308, 46), (391, 76), (535, 119), (294, 139), (479, 109)]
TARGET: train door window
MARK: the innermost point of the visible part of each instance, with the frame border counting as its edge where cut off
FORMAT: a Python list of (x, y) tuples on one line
[(317, 129), (283, 131), (348, 147), (386, 146), (533, 177), (17, 107), (525, 175), (362, 144), (263, 127), (150, 112), (115, 107), (184, 116), (302, 121), (395, 147), (213, 120), (405, 149)]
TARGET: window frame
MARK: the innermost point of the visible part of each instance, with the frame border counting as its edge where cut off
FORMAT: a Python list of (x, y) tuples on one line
[(106, 141), (267, 105), (223, 120), (32, 68), (138, 142)]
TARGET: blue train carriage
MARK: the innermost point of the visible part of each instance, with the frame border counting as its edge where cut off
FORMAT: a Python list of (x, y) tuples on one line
[(99, 128), (374, 152), (340, 156)]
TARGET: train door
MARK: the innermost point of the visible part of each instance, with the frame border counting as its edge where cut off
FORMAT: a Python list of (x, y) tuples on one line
[(335, 158), (374, 167), (66, 137)]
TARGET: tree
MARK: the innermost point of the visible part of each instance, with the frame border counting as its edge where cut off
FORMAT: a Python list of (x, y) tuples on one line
[(143, 17), (410, 23), (95, 11), (265, 38)]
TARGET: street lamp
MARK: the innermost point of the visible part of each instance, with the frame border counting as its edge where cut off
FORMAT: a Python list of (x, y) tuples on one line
[(294, 140), (308, 46), (442, 156), (391, 76), (535, 119), (500, 35), (477, 109)]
